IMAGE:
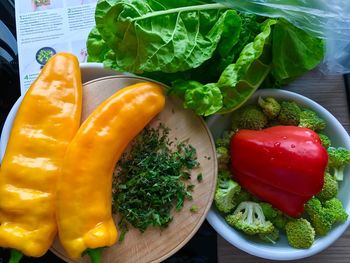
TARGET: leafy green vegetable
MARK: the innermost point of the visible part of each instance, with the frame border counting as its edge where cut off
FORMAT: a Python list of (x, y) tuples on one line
[(213, 57), (203, 99), (239, 80), (210, 70), (169, 36), (294, 52), (151, 180), (97, 46)]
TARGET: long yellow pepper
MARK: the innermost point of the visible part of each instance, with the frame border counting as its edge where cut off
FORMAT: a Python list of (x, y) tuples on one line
[(85, 189), (46, 121)]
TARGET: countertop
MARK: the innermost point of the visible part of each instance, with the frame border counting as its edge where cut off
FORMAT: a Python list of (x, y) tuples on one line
[(329, 91)]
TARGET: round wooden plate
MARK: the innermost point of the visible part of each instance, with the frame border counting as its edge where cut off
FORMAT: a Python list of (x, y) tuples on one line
[(155, 245)]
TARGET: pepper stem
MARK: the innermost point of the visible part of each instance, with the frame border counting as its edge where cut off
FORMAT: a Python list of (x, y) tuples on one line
[(15, 256), (95, 254)]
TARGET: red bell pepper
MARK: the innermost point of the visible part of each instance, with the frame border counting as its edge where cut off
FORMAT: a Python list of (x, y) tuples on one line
[(282, 165)]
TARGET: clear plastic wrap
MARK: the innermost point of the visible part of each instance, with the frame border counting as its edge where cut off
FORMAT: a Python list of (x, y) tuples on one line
[(327, 19)]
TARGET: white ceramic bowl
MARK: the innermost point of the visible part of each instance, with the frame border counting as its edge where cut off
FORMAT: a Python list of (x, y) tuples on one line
[(281, 250)]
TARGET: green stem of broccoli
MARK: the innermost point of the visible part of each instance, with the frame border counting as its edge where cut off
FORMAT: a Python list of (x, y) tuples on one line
[(339, 173)]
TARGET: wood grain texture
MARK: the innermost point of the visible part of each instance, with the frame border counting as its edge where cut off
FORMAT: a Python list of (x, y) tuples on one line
[(329, 91), (156, 245)]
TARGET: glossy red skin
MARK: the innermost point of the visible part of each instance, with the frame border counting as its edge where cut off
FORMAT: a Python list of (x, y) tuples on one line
[(282, 165)]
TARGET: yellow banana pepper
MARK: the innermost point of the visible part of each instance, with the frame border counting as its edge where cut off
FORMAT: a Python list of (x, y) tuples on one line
[(84, 193), (46, 121)]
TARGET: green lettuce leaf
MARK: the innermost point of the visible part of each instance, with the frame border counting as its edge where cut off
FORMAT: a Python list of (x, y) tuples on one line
[(211, 56), (167, 36), (202, 99), (237, 82), (100, 52), (97, 46), (294, 52), (210, 70), (240, 80)]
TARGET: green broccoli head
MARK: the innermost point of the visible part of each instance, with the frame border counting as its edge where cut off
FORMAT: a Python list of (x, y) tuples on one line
[(300, 233), (249, 117), (270, 107), (223, 157), (225, 191), (273, 123), (289, 114), (225, 139), (337, 159), (280, 221), (324, 217), (309, 119), (329, 189), (269, 211), (249, 218), (325, 141), (335, 207), (243, 195), (270, 237), (321, 220)]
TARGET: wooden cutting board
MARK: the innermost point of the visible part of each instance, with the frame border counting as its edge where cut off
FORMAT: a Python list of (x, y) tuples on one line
[(156, 245)]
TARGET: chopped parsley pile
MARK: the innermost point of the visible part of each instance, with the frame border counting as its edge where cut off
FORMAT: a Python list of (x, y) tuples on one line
[(152, 179)]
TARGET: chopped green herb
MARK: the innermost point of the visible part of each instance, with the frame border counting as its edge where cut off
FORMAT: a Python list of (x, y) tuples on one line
[(200, 177), (123, 229), (190, 187), (194, 208), (152, 179)]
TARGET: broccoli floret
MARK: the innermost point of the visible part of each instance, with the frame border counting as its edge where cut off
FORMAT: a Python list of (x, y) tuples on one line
[(324, 217), (273, 123), (270, 237), (325, 141), (223, 157), (300, 233), (309, 119), (270, 107), (290, 113), (329, 189), (249, 218), (242, 196), (268, 210), (224, 141), (280, 221), (337, 159), (249, 117), (225, 191), (321, 220), (335, 207)]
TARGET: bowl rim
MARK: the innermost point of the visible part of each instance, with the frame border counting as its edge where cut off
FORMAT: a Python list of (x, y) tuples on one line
[(228, 233)]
